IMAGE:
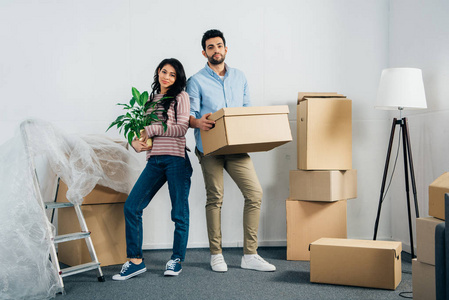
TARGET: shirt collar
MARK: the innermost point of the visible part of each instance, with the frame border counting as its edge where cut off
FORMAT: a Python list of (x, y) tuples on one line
[(212, 73)]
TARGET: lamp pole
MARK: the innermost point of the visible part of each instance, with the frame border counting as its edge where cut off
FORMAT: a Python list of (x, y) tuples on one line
[(408, 163)]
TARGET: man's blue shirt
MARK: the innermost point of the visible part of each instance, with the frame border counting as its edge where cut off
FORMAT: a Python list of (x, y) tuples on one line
[(209, 93)]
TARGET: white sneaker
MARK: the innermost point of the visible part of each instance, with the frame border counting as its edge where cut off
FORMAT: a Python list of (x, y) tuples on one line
[(218, 263), (257, 263)]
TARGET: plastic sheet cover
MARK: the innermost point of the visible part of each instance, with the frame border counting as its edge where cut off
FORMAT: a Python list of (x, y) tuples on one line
[(83, 162), (25, 238)]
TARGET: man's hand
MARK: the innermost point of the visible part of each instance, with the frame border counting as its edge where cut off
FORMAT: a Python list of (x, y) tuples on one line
[(203, 123)]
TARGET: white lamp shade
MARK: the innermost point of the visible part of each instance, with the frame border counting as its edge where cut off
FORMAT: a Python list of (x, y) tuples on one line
[(401, 88)]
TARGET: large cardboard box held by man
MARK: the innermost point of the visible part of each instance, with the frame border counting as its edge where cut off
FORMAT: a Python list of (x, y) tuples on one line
[(323, 185), (423, 280), (308, 221), (366, 263), (425, 239), (247, 129), (324, 132), (103, 211), (437, 189)]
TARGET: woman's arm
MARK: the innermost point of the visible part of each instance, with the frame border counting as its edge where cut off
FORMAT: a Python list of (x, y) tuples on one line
[(179, 128)]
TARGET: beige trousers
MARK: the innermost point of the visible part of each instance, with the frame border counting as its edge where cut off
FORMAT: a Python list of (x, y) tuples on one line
[(241, 169)]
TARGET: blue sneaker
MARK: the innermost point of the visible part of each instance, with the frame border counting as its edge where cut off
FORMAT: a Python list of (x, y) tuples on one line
[(130, 270), (173, 267)]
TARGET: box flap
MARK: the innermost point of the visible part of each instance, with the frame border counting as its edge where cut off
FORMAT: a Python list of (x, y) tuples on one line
[(359, 243), (303, 95), (441, 181), (251, 110)]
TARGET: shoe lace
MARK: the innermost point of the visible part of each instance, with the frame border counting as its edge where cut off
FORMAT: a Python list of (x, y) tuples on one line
[(171, 264), (125, 267), (218, 260), (259, 258)]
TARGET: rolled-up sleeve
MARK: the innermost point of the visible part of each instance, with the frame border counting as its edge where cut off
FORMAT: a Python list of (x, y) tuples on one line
[(246, 97), (193, 89)]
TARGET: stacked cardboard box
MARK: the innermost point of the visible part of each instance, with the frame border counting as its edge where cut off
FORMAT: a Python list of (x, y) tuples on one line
[(103, 212), (423, 267), (316, 207), (437, 189)]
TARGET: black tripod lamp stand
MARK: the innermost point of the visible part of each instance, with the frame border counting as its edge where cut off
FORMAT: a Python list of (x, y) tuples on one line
[(399, 89)]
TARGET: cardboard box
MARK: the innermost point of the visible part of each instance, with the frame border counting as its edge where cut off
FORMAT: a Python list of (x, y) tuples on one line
[(425, 239), (437, 189), (99, 195), (303, 95), (324, 134), (423, 281), (308, 221), (366, 263), (247, 129), (323, 185), (107, 225)]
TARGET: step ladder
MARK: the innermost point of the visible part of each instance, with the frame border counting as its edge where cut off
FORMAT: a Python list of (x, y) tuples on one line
[(84, 234)]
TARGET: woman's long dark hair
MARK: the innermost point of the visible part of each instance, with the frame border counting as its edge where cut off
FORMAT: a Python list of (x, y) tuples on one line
[(174, 90)]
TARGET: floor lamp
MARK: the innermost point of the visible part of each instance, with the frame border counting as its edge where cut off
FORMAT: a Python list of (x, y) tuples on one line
[(399, 89)]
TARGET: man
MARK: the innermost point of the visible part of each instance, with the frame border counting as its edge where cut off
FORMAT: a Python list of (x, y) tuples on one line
[(212, 88)]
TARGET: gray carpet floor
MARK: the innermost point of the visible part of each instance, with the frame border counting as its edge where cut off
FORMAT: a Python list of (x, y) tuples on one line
[(197, 281)]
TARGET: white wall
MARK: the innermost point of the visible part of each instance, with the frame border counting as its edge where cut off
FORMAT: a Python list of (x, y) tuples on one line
[(419, 38), (69, 62)]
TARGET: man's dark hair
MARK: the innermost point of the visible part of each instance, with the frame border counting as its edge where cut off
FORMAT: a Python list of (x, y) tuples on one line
[(211, 34)]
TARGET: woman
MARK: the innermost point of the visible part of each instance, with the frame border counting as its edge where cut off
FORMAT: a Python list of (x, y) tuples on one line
[(167, 161)]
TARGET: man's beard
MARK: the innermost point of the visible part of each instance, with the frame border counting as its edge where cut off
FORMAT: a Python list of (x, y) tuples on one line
[(214, 61)]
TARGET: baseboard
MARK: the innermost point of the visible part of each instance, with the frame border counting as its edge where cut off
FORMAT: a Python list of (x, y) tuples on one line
[(235, 244)]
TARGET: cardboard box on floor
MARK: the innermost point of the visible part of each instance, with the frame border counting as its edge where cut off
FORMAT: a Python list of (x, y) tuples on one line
[(103, 212), (365, 263), (324, 132), (423, 281), (107, 225), (308, 221), (437, 189), (247, 129), (323, 185), (425, 239)]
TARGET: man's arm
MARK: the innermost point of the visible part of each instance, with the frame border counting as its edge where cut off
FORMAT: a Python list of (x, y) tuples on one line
[(193, 89)]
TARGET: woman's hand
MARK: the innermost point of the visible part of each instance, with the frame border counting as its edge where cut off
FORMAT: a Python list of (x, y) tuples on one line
[(141, 144)]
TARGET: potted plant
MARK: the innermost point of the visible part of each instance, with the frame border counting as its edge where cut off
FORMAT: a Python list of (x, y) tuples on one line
[(139, 113)]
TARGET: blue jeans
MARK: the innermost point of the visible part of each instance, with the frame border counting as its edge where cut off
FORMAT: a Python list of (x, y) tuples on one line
[(160, 169)]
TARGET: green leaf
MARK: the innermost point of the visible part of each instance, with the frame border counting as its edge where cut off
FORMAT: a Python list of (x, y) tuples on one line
[(126, 106), (165, 126), (136, 93), (119, 118), (143, 98), (112, 124), (132, 101), (130, 138)]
